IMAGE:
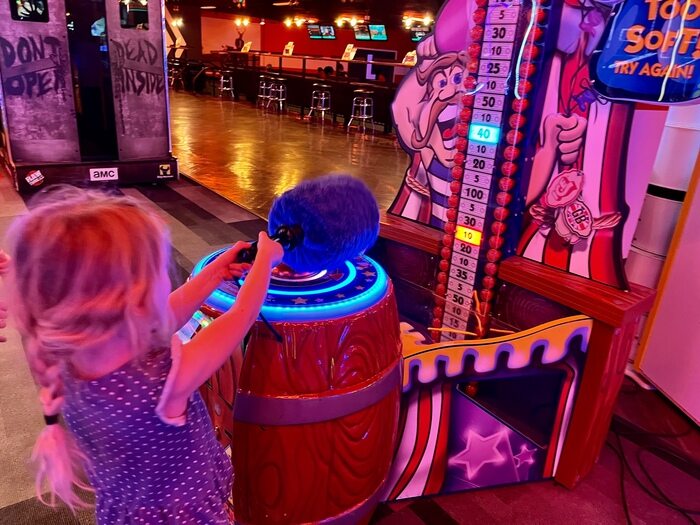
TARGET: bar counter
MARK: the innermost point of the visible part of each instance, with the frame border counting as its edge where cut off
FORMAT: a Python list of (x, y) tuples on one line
[(246, 68)]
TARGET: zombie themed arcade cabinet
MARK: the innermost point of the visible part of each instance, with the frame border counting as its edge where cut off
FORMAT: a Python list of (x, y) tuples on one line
[(84, 93), (529, 156)]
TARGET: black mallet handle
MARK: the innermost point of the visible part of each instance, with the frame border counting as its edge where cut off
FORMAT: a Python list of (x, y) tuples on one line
[(288, 236)]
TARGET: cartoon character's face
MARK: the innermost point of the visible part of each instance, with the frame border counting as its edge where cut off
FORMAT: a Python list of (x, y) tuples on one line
[(439, 112), (447, 82)]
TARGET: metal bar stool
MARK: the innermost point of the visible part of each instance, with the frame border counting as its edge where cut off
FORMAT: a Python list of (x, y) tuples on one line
[(278, 93), (226, 83), (362, 107), (264, 85), (320, 99), (175, 80)]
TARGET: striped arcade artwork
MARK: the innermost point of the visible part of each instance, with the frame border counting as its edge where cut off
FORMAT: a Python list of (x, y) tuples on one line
[(457, 429)]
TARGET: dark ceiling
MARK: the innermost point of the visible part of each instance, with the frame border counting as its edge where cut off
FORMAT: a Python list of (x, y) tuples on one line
[(383, 11)]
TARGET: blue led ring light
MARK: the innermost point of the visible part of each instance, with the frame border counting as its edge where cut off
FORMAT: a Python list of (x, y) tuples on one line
[(355, 299)]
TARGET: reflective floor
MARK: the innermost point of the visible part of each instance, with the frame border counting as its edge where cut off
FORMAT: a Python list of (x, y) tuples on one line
[(249, 156)]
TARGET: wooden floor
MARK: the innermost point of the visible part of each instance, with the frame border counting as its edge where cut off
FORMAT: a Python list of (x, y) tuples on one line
[(201, 222), (249, 156)]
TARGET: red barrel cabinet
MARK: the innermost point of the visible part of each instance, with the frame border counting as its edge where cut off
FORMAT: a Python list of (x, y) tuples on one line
[(311, 410)]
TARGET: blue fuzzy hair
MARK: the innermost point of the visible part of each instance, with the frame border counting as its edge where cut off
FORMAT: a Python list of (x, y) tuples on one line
[(338, 215)]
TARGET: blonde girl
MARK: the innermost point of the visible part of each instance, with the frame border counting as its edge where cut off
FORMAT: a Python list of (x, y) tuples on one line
[(90, 290)]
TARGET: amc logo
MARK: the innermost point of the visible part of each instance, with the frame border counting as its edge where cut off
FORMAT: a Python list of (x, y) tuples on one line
[(100, 174)]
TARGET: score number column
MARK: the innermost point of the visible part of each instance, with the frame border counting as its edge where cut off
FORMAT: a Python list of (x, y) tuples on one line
[(484, 134)]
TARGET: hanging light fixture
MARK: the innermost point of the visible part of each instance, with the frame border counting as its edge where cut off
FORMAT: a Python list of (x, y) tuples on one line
[(412, 19), (351, 21)]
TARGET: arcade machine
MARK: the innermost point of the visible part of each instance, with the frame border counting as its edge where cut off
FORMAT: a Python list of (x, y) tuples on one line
[(528, 166), (309, 414), (505, 248), (310, 411), (84, 93)]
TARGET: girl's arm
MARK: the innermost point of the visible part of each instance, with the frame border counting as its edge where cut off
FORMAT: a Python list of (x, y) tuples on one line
[(4, 268), (207, 352), (184, 301)]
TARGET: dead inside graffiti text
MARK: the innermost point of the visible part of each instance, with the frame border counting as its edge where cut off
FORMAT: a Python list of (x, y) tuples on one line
[(139, 67), (32, 66)]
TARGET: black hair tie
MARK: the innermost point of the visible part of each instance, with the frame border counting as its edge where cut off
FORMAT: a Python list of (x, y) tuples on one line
[(51, 420)]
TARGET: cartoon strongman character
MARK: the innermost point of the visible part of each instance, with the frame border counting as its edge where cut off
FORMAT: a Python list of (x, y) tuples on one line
[(576, 196), (425, 111)]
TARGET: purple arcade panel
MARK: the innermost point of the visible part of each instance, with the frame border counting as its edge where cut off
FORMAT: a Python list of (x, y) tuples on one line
[(138, 79), (37, 94), (84, 93)]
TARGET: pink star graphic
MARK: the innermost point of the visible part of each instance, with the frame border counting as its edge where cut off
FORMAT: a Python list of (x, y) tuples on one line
[(479, 451), (525, 456)]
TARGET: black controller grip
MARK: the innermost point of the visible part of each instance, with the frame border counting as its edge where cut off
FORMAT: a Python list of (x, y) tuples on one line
[(288, 236), (248, 255)]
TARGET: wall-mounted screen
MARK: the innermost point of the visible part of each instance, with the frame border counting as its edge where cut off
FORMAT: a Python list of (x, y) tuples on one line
[(327, 32), (377, 32), (361, 32), (417, 33), (318, 32), (314, 31)]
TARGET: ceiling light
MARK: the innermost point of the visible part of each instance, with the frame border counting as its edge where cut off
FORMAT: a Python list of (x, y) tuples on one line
[(208, 7)]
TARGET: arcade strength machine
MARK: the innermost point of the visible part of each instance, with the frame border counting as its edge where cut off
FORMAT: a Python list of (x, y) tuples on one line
[(531, 129), (505, 247), (84, 93)]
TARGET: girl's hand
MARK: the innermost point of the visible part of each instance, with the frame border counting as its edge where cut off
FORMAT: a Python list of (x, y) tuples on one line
[(269, 250), (230, 269)]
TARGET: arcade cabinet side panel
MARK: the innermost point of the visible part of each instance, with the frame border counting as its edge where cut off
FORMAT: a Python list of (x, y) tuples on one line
[(37, 96), (138, 80)]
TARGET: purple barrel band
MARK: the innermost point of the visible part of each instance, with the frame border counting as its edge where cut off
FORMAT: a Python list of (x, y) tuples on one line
[(280, 411)]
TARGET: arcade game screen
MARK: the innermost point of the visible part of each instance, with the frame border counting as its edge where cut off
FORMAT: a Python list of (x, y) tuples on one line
[(134, 17), (29, 10)]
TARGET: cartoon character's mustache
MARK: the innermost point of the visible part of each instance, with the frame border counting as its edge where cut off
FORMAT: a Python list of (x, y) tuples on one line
[(418, 142)]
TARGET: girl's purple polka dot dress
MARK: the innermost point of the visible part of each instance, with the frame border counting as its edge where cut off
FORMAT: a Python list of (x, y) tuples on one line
[(145, 471)]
